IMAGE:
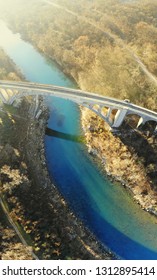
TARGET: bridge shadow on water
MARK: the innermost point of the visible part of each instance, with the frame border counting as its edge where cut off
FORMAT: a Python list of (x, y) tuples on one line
[(65, 136)]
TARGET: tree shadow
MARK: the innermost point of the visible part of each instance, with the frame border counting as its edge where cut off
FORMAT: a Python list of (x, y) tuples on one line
[(144, 144)]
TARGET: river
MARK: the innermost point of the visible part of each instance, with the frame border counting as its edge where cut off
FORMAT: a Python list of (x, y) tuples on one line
[(106, 209)]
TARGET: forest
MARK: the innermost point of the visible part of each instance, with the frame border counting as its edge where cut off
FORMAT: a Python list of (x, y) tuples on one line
[(108, 46), (8, 71)]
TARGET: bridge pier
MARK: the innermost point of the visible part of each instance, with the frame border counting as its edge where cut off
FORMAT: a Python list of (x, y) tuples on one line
[(141, 122), (155, 130), (109, 111), (4, 95), (119, 118)]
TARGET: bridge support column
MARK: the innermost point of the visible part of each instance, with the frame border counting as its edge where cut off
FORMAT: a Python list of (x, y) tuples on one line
[(155, 130), (119, 117), (4, 96), (109, 111), (141, 122)]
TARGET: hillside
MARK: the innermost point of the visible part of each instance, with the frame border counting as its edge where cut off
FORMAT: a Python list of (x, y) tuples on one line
[(8, 70), (108, 47), (10, 244)]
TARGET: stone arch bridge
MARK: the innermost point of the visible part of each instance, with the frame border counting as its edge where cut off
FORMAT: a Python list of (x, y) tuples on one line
[(113, 111)]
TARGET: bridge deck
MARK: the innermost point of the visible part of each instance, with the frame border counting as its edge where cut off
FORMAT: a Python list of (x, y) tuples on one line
[(78, 96)]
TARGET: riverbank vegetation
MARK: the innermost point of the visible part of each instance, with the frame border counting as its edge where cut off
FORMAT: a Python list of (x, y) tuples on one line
[(101, 44), (8, 71), (11, 246), (129, 158)]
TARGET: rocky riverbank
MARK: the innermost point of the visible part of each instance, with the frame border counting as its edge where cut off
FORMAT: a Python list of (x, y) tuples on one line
[(34, 202), (129, 158)]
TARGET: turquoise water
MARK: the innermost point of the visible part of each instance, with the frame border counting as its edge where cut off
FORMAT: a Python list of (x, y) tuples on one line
[(105, 208)]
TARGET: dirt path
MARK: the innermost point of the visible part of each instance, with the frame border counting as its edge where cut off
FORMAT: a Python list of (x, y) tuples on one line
[(16, 228)]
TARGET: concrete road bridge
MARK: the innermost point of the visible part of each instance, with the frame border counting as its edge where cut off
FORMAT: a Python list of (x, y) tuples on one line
[(112, 110)]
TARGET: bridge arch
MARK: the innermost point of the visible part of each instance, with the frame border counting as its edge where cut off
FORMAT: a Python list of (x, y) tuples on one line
[(133, 120), (96, 108)]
